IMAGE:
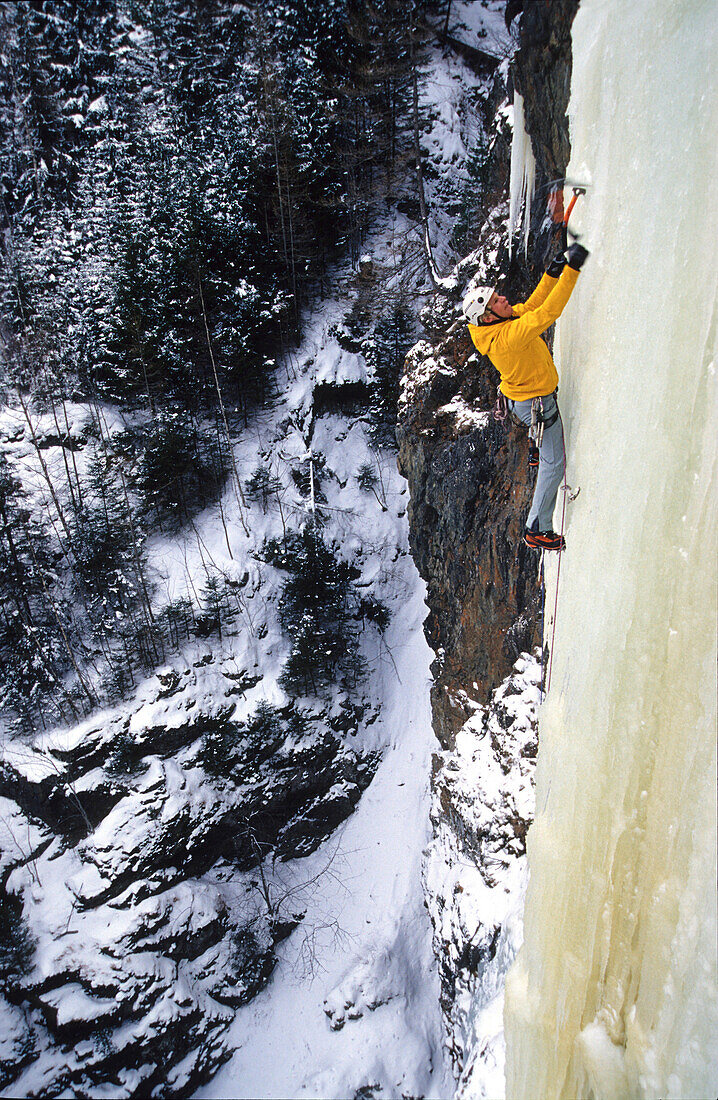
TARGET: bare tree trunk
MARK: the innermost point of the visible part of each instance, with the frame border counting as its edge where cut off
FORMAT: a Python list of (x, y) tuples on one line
[(136, 552), (145, 602), (448, 16), (17, 569), (264, 889), (64, 455), (291, 253), (221, 508), (72, 453), (224, 528)]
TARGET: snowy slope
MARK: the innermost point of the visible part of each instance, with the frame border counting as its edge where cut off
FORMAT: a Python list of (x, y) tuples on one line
[(354, 999), (364, 935), (130, 952)]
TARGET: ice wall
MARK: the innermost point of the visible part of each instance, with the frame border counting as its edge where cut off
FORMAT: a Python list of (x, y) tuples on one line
[(614, 994)]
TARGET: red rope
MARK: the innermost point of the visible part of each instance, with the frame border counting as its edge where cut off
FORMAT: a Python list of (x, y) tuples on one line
[(558, 572), (543, 625)]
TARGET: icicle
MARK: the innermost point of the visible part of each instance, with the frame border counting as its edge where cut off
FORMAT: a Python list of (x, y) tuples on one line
[(523, 173)]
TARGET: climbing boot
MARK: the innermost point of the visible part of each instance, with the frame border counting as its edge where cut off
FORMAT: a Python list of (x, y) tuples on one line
[(533, 457), (544, 540)]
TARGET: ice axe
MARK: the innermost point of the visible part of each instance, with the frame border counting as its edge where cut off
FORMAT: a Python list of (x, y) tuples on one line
[(559, 216), (565, 230)]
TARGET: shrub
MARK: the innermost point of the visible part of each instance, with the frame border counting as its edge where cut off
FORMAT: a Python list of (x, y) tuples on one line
[(315, 610), (262, 485)]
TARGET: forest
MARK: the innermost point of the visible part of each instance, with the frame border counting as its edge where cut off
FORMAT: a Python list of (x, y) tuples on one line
[(178, 177)]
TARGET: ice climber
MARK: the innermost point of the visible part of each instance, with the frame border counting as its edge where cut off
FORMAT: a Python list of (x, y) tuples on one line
[(511, 337)]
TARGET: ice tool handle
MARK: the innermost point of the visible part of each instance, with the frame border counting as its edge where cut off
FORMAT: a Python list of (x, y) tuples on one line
[(576, 192), (569, 210)]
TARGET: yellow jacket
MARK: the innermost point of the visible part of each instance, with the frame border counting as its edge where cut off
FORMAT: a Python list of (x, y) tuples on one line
[(515, 346)]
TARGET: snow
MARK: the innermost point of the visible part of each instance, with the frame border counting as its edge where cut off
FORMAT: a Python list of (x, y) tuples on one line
[(28, 762), (59, 740), (354, 998), (341, 368), (363, 952), (72, 1003), (476, 899), (450, 128), (615, 992), (366, 935), (19, 837), (481, 24), (462, 415)]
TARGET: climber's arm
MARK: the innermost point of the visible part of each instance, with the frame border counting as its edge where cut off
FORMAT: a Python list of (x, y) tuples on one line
[(517, 335), (538, 297)]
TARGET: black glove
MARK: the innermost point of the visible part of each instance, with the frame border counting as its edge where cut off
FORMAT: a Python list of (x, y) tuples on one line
[(577, 256), (556, 266)]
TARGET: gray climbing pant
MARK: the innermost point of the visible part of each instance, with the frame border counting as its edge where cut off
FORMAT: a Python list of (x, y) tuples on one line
[(551, 462)]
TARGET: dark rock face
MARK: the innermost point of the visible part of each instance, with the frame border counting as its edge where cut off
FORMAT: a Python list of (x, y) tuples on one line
[(470, 492), (469, 485), (542, 74)]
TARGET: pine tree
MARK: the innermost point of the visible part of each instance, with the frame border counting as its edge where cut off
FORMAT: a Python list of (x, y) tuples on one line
[(315, 610), (385, 350), (16, 943), (181, 465)]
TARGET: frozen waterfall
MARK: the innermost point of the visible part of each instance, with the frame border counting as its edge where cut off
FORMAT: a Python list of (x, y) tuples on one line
[(614, 993)]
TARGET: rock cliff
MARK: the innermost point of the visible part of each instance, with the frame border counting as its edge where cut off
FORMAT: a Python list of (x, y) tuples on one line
[(470, 491), (542, 74), (120, 838)]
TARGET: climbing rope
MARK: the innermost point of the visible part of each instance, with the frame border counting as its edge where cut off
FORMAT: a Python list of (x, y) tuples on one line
[(543, 623)]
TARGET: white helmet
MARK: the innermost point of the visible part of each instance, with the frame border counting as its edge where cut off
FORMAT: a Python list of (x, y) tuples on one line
[(475, 303)]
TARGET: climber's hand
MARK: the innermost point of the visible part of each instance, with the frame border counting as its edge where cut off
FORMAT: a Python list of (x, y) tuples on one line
[(577, 256), (556, 266)]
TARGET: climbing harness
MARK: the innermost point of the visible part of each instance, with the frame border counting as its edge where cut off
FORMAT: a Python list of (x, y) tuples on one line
[(539, 420)]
